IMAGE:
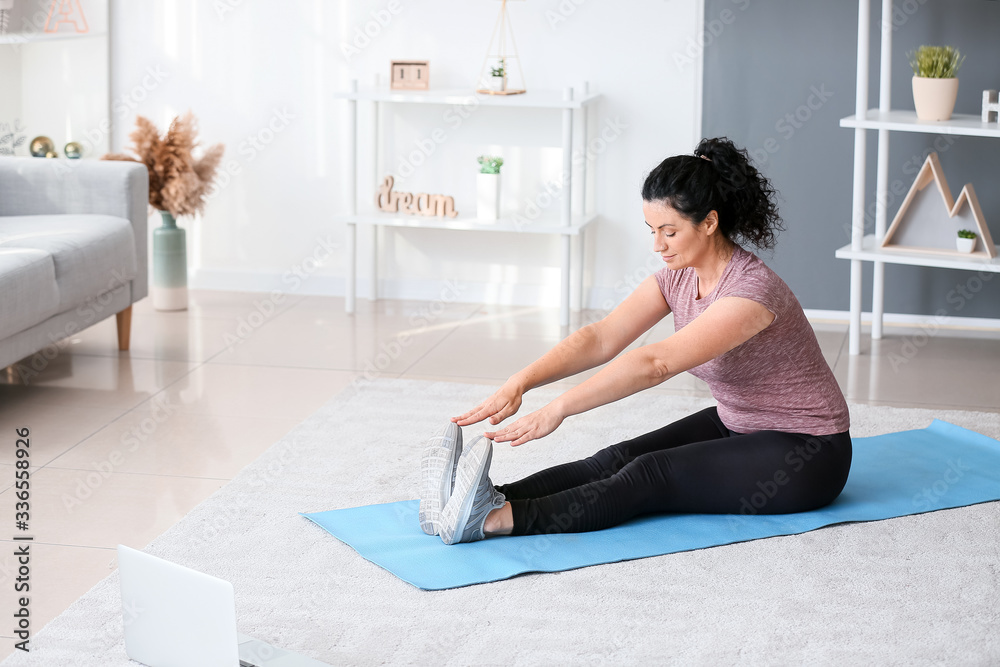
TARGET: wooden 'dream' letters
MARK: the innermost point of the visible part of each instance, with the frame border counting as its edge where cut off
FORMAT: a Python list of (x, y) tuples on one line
[(922, 222), (413, 204)]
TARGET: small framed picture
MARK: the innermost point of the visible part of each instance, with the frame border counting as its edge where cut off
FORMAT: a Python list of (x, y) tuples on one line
[(410, 74)]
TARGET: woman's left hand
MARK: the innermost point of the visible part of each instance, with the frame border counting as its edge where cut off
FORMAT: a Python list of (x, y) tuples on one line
[(536, 425)]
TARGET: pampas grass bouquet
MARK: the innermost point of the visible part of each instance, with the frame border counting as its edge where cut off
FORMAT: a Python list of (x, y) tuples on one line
[(178, 186)]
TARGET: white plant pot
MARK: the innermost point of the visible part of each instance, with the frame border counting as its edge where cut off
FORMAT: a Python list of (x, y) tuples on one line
[(965, 245), (488, 196), (497, 83), (934, 99)]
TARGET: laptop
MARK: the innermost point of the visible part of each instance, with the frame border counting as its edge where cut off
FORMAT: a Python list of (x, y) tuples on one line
[(178, 617)]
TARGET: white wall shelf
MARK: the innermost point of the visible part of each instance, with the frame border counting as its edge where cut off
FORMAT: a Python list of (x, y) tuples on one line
[(471, 224), (537, 99), (872, 252), (885, 119), (565, 224), (901, 120), (38, 37)]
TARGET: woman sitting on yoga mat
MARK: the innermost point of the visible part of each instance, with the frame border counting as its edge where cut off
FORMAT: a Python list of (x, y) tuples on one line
[(777, 441)]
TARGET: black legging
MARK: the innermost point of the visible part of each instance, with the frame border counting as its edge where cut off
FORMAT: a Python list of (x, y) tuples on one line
[(695, 465)]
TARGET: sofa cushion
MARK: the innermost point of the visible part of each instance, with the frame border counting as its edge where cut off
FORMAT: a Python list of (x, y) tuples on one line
[(28, 292), (91, 254)]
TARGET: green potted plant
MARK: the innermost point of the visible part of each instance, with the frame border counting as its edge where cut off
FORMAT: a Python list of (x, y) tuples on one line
[(498, 76), (966, 240), (488, 187), (935, 80)]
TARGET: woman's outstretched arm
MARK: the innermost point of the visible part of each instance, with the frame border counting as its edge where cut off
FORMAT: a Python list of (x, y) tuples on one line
[(585, 348), (725, 324)]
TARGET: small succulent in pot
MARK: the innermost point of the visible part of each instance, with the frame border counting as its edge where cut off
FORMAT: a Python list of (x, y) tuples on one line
[(966, 240), (490, 164), (488, 187), (498, 76)]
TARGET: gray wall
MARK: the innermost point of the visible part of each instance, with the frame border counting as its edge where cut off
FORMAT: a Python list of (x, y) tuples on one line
[(765, 60)]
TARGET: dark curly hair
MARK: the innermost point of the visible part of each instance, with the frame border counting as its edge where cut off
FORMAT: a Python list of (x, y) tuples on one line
[(726, 182)]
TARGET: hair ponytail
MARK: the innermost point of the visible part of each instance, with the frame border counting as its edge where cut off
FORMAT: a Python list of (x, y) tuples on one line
[(720, 177)]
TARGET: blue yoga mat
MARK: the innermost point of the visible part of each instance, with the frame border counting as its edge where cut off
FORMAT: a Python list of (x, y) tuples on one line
[(910, 472)]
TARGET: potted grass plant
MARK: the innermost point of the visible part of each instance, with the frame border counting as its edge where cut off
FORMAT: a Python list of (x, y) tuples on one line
[(935, 80), (966, 240), (488, 188)]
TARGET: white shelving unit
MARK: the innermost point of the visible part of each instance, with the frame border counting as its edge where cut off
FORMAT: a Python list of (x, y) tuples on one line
[(959, 124), (36, 37), (866, 248), (871, 251), (566, 225), (57, 84)]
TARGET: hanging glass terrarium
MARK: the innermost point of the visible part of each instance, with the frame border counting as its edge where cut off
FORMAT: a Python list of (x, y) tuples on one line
[(497, 75)]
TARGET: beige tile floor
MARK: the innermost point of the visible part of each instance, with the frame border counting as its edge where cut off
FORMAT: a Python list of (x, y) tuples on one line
[(124, 444)]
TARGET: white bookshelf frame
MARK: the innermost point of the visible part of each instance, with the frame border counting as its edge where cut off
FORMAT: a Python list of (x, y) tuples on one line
[(566, 225), (72, 123), (885, 119)]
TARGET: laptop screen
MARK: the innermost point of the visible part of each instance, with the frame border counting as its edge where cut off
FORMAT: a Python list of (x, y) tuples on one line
[(175, 616)]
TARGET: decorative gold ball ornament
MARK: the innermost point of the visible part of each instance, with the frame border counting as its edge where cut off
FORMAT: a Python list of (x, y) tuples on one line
[(52, 154), (73, 150), (41, 146)]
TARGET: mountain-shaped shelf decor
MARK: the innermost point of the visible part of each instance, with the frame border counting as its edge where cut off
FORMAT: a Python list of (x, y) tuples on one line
[(929, 219)]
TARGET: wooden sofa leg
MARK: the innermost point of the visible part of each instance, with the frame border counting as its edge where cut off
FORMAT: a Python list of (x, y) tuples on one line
[(124, 321)]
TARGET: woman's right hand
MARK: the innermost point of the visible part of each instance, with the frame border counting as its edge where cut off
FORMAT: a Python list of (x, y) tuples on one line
[(497, 407)]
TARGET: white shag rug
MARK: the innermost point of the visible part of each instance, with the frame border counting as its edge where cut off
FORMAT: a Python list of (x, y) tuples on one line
[(919, 589)]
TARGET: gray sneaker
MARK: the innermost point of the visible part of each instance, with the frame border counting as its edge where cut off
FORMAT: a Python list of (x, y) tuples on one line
[(437, 475), (473, 497)]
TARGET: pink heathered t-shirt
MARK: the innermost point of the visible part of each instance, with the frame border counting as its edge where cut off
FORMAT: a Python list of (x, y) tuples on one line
[(778, 380)]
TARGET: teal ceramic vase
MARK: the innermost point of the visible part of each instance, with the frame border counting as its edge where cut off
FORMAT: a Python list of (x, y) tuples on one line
[(169, 265)]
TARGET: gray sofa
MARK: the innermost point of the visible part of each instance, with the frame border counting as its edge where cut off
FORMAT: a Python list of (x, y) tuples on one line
[(72, 252)]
